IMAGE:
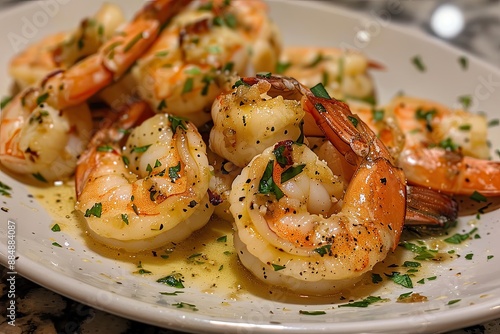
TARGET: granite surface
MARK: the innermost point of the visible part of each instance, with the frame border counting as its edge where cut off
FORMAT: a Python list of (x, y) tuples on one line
[(42, 311)]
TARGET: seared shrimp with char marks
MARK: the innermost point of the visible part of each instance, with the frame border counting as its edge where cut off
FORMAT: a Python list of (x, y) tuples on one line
[(296, 228), (152, 192)]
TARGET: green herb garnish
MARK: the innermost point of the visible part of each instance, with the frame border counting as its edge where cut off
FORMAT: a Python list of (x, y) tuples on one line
[(95, 210), (323, 250), (175, 280), (417, 61), (320, 91), (363, 303), (311, 312), (277, 267), (140, 149), (177, 122)]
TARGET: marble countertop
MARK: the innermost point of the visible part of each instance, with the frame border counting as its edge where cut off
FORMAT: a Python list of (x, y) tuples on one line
[(43, 311)]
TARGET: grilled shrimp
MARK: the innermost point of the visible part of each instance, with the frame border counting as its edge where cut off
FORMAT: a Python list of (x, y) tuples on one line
[(445, 150), (62, 91), (152, 192), (247, 120), (62, 50), (344, 73), (191, 61), (295, 226)]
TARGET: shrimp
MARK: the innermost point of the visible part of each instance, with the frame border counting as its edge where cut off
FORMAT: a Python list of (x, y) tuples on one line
[(427, 211), (64, 89), (445, 150), (62, 50), (247, 120), (295, 226), (224, 173), (344, 73), (194, 57), (152, 192)]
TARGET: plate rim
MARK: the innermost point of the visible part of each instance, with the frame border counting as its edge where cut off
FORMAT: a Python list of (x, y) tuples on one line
[(79, 291)]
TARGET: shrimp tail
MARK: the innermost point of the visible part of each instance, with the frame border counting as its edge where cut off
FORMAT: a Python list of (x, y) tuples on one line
[(429, 211)]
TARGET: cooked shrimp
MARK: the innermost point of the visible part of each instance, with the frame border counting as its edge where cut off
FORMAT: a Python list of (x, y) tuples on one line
[(344, 73), (296, 228), (190, 62), (247, 120), (444, 149), (224, 173), (62, 50), (427, 211), (63, 89), (151, 193), (44, 142)]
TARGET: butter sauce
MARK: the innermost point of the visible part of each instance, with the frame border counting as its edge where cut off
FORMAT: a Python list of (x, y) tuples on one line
[(207, 260)]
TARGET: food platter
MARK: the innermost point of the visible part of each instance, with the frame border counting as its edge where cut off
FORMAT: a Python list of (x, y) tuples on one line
[(465, 291)]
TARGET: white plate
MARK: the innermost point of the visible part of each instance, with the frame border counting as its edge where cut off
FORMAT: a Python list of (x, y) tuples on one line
[(83, 274)]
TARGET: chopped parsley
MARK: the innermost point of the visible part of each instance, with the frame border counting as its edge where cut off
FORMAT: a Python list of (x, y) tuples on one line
[(132, 42), (464, 62), (222, 239), (378, 114), (104, 148), (320, 91), (140, 149), (188, 85), (177, 122), (323, 250), (267, 184), (42, 98), (422, 252), (458, 238), (39, 177), (493, 122), (311, 312), (95, 210), (5, 189), (478, 197), (185, 305), (353, 120), (240, 83), (5, 101), (363, 303), (401, 279), (56, 228), (173, 172), (417, 61), (162, 105), (56, 244), (465, 100), (376, 278), (265, 75), (175, 280), (125, 218), (277, 267), (175, 293), (281, 67), (453, 301)]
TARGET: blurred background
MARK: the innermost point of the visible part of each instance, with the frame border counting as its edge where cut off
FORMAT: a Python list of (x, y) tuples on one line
[(471, 25)]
